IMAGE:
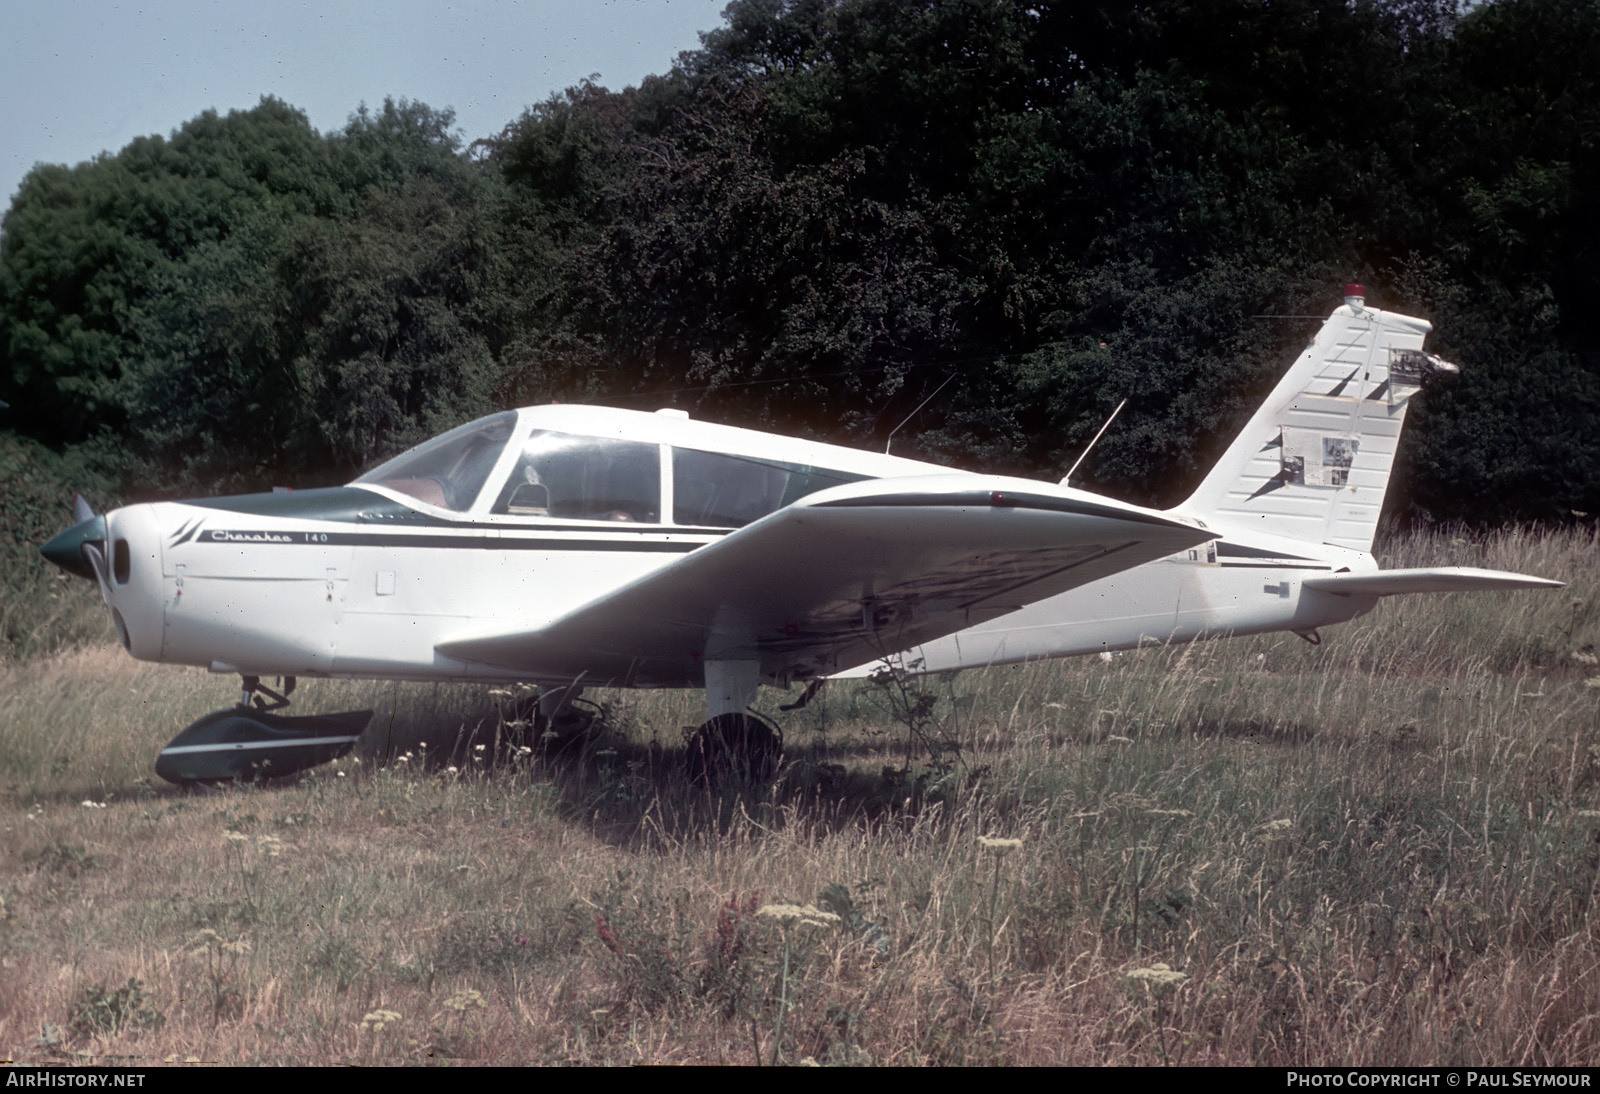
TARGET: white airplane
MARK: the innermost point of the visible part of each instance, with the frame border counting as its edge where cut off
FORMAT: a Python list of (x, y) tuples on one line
[(579, 546)]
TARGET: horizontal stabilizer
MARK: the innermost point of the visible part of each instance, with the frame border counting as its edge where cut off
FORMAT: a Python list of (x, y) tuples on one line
[(1436, 579)]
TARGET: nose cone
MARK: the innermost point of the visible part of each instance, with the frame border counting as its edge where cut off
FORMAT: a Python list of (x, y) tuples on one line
[(66, 549)]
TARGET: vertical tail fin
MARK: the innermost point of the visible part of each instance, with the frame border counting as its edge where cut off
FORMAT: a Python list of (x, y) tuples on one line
[(1314, 462)]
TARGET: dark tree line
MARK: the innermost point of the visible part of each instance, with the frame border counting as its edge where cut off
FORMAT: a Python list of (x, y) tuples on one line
[(833, 208)]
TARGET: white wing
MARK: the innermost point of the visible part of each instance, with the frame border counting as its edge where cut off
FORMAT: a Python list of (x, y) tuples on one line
[(840, 577)]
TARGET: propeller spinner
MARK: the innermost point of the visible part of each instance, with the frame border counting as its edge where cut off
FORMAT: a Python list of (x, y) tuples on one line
[(71, 549)]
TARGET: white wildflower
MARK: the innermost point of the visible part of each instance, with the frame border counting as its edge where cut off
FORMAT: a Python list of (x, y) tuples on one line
[(803, 915), (375, 1020), (999, 846), (1158, 974), (464, 1000)]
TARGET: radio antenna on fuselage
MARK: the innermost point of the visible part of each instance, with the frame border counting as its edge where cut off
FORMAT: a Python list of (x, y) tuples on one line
[(1092, 443), (913, 414)]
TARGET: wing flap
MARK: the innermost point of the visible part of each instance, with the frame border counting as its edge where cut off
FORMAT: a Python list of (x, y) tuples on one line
[(1437, 579), (840, 577)]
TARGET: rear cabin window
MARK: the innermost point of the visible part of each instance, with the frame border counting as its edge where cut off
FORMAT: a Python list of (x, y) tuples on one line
[(584, 478), (715, 490)]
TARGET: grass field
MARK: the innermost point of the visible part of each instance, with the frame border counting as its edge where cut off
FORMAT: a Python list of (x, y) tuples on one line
[(1382, 850)]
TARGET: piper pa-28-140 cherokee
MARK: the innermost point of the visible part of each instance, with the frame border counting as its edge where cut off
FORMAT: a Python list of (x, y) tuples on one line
[(576, 546)]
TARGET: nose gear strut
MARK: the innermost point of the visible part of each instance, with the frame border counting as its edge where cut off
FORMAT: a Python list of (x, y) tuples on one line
[(254, 689)]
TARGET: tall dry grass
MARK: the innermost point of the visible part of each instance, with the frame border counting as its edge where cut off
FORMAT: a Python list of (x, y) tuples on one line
[(1380, 850)]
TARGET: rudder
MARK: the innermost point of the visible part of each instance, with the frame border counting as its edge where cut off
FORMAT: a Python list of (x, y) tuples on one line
[(1314, 462)]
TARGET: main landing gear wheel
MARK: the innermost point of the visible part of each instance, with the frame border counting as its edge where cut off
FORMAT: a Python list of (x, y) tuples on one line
[(734, 748)]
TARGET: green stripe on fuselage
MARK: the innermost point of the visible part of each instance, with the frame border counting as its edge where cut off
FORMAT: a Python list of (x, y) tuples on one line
[(341, 504)]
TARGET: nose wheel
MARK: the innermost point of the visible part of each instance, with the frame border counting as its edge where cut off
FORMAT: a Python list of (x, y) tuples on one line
[(556, 721), (248, 741)]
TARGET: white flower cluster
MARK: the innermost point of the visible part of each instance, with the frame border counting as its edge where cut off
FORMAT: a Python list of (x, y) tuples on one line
[(1159, 973), (464, 1000), (999, 846), (802, 915), (376, 1020)]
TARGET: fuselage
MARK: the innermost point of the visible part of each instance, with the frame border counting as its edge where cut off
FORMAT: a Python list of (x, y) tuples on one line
[(520, 518)]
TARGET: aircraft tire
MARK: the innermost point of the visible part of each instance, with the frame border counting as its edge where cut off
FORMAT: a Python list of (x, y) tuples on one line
[(734, 748), (572, 726)]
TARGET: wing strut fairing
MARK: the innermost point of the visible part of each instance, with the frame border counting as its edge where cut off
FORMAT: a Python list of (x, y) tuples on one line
[(842, 576)]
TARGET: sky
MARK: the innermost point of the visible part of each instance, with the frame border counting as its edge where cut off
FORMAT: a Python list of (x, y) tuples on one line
[(81, 77)]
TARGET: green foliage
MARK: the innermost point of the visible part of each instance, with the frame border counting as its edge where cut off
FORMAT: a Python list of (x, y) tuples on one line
[(912, 705), (41, 608), (500, 945), (731, 972), (328, 298), (227, 967), (646, 955), (107, 1012), (838, 899), (59, 857)]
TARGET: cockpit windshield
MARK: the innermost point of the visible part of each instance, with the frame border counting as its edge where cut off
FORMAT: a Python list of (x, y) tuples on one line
[(448, 471)]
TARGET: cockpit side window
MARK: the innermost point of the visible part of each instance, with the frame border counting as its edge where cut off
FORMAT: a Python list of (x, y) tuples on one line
[(584, 478), (448, 471), (715, 490)]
